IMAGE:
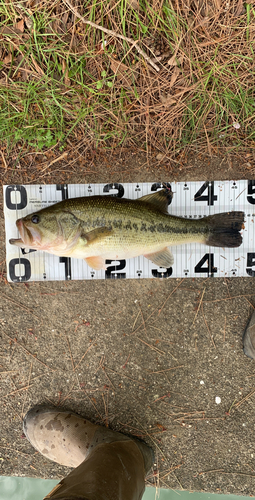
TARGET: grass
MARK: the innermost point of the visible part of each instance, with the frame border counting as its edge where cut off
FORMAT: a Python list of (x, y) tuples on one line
[(62, 79)]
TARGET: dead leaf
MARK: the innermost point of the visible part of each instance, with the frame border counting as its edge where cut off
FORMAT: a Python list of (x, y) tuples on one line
[(29, 22), (240, 8), (134, 4), (65, 72), (167, 100), (20, 25), (8, 58), (10, 30), (173, 61), (37, 67), (174, 76), (159, 156), (122, 72)]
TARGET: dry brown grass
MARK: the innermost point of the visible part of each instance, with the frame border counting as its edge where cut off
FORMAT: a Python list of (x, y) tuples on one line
[(63, 78)]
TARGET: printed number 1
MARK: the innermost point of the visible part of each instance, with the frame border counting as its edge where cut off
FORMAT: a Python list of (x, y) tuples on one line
[(65, 260), (210, 197)]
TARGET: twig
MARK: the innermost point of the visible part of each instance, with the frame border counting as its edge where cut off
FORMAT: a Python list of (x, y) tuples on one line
[(167, 369), (156, 308), (92, 345), (174, 290), (127, 376), (9, 371), (230, 298), (225, 472), (106, 412), (94, 406), (208, 328), (66, 397), (199, 305), (143, 319), (4, 161), (136, 319), (28, 384), (18, 304), (61, 157), (153, 440), (114, 34), (68, 343), (104, 370), (18, 390), (245, 399), (151, 347), (28, 352)]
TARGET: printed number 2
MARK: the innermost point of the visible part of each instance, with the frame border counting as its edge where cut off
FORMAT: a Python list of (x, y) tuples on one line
[(111, 273), (210, 197), (250, 264)]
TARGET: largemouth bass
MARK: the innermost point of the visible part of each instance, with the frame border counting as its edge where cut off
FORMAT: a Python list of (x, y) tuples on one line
[(97, 228)]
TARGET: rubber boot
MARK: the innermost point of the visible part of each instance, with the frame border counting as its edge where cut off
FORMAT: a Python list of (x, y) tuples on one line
[(249, 338), (108, 464)]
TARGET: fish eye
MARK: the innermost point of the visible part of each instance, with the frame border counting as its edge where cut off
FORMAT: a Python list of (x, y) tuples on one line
[(35, 219)]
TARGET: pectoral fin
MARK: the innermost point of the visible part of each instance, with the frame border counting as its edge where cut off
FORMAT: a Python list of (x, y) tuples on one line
[(164, 258), (96, 235), (96, 263)]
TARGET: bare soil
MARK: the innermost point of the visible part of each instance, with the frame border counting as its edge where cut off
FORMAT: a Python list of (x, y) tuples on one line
[(136, 356)]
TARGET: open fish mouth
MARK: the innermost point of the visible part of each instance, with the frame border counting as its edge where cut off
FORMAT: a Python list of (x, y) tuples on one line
[(26, 238)]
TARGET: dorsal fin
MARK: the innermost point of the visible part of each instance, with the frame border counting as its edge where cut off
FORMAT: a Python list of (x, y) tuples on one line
[(160, 199)]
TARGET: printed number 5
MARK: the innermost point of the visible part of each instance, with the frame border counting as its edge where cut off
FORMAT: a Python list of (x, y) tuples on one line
[(251, 192), (250, 264)]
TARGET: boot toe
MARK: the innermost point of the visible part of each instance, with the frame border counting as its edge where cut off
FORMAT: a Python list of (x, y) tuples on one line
[(61, 436)]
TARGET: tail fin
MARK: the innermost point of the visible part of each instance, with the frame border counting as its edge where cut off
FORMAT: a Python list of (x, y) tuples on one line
[(224, 229)]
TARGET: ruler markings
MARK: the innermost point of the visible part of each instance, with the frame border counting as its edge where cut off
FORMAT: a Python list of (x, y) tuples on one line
[(191, 199)]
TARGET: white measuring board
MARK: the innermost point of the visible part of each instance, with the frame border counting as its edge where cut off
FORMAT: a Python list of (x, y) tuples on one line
[(190, 200)]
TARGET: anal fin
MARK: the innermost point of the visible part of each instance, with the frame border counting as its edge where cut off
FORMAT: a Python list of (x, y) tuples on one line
[(96, 262), (163, 258)]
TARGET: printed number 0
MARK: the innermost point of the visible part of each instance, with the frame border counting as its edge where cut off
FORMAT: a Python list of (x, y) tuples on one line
[(18, 277), (23, 197)]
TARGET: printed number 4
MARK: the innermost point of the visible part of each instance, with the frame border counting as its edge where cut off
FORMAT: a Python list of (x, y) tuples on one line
[(210, 197), (209, 269)]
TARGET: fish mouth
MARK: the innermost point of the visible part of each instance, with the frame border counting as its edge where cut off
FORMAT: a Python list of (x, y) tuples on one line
[(27, 239)]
